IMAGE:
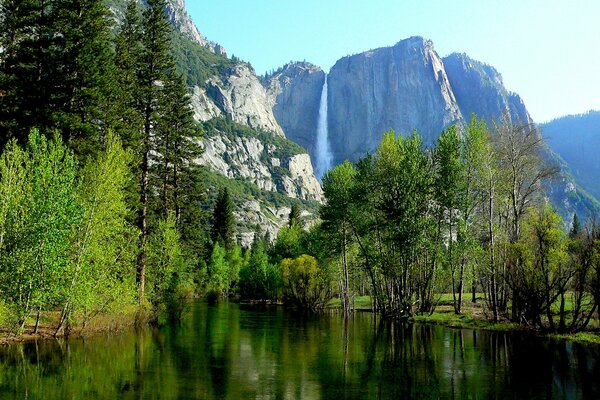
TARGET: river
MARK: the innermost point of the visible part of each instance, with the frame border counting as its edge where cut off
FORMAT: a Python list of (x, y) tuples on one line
[(231, 351)]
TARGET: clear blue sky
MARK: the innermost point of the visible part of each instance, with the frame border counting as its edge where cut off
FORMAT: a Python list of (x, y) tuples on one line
[(547, 51)]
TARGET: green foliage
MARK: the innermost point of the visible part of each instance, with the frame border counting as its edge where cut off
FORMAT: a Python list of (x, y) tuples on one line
[(543, 273), (295, 217), (167, 270), (218, 272), (306, 286), (223, 221), (195, 62), (100, 277), (35, 251), (288, 243), (55, 70), (259, 279)]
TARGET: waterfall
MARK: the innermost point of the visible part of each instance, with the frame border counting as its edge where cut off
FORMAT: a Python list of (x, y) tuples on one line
[(323, 154)]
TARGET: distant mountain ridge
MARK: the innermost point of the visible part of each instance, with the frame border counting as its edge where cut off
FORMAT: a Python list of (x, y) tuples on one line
[(576, 138)]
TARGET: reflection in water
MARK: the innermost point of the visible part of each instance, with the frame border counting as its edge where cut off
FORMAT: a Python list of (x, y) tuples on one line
[(232, 352)]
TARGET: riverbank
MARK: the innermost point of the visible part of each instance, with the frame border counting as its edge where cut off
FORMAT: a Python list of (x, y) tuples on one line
[(473, 317), (101, 324)]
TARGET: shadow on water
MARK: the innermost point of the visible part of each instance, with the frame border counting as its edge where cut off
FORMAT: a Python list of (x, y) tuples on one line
[(228, 351)]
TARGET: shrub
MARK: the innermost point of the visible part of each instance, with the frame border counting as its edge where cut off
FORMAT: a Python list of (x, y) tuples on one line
[(305, 285)]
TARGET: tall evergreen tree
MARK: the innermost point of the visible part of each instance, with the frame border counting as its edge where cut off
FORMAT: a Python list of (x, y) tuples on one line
[(223, 220), (25, 40), (177, 175), (81, 72), (55, 70), (155, 62), (575, 227), (295, 217), (177, 146), (126, 97)]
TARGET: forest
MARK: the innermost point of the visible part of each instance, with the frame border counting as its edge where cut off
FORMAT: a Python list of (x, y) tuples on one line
[(103, 209)]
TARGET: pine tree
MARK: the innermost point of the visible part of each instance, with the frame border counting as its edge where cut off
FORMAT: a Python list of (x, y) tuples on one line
[(575, 227), (128, 120), (295, 217), (177, 147), (177, 175), (223, 220), (81, 72), (25, 40), (55, 72), (155, 62)]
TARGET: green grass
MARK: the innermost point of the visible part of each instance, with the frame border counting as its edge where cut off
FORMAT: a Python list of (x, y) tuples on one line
[(361, 303), (580, 337), (465, 320)]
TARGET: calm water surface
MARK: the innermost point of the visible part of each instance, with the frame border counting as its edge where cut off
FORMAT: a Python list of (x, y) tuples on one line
[(230, 351)]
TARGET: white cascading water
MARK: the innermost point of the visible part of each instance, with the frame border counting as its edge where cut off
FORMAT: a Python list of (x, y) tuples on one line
[(323, 149)]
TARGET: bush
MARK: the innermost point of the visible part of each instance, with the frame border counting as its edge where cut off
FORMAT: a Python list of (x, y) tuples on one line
[(305, 285)]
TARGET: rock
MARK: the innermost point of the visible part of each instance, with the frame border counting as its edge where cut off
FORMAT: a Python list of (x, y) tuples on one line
[(295, 94), (242, 157), (204, 108), (302, 182), (479, 89), (404, 87), (177, 12), (239, 94)]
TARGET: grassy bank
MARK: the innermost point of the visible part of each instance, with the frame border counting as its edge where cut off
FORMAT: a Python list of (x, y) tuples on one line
[(473, 317), (104, 323)]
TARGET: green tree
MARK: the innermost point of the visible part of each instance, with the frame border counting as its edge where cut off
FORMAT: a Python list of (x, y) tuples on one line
[(305, 285), (259, 279), (218, 272), (449, 188), (36, 260), (338, 186), (25, 78), (295, 217), (575, 227), (81, 72), (543, 274), (100, 275), (223, 220), (166, 265)]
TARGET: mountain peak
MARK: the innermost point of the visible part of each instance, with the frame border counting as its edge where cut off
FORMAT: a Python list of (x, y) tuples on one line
[(177, 12)]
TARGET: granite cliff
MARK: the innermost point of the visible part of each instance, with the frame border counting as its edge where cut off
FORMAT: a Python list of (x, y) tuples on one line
[(403, 87), (244, 146)]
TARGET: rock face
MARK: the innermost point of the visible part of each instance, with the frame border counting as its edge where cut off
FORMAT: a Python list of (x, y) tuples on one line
[(231, 90), (177, 12), (479, 89), (239, 94), (404, 87), (295, 93), (250, 159)]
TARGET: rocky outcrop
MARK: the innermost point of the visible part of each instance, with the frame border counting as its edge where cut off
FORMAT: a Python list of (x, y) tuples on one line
[(479, 89), (239, 94), (404, 87), (295, 92), (251, 159), (204, 108)]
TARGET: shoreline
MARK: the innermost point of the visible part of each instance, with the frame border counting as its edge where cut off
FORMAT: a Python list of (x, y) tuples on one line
[(443, 316), (103, 324), (472, 318)]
